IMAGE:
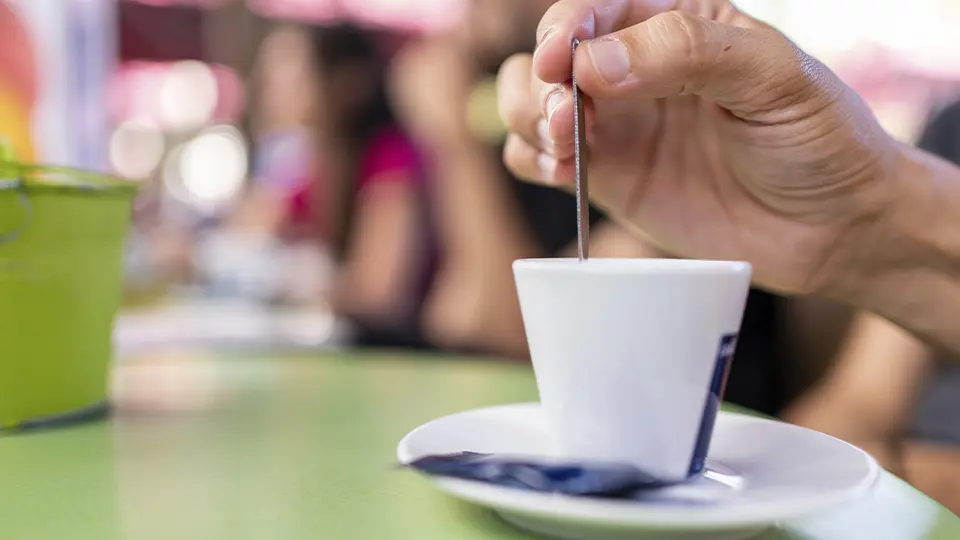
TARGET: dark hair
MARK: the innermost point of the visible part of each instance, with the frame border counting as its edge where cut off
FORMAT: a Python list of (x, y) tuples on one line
[(336, 47), (941, 134), (342, 45)]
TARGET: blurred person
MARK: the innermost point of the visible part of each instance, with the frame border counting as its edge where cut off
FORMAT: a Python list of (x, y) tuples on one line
[(175, 246), (366, 199), (335, 172), (284, 91), (892, 394), (248, 255), (487, 219), (868, 397)]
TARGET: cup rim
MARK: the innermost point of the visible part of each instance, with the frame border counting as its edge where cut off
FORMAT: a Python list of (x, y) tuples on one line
[(631, 265)]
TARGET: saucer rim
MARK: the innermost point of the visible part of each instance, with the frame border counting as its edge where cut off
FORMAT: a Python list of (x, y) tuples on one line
[(636, 514)]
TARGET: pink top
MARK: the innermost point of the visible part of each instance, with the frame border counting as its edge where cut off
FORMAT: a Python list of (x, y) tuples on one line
[(388, 158)]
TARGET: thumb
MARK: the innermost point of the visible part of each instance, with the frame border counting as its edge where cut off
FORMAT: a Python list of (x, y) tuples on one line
[(750, 70)]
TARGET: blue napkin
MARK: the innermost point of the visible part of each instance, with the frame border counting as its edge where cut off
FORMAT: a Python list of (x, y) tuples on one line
[(606, 480)]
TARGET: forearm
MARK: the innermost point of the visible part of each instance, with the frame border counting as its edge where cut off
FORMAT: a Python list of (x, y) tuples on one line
[(474, 302), (480, 217), (610, 240), (383, 255), (879, 374), (911, 275)]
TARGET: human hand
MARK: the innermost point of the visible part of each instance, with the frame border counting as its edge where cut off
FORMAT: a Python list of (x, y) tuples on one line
[(710, 132)]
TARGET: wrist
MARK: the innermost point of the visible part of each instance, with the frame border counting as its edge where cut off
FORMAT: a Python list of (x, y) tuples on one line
[(457, 149), (909, 260), (455, 140), (863, 247)]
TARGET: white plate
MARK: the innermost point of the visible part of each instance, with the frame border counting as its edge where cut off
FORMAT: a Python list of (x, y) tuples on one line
[(762, 472)]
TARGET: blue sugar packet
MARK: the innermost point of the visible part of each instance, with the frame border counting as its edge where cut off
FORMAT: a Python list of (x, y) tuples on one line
[(606, 480)]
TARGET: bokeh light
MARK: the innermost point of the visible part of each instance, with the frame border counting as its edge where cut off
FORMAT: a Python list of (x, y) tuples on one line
[(179, 96), (188, 96), (210, 170), (136, 148)]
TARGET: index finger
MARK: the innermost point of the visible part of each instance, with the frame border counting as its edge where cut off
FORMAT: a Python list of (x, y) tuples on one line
[(584, 19)]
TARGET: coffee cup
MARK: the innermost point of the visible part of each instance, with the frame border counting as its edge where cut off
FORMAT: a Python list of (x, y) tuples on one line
[(631, 356)]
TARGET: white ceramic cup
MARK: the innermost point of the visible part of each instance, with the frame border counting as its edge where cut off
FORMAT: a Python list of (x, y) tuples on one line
[(631, 355)]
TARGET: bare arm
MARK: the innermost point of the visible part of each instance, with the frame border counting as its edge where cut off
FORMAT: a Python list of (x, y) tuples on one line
[(880, 371), (910, 272), (382, 256), (474, 302), (868, 396)]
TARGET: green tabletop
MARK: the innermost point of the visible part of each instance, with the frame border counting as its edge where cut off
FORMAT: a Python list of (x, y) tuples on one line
[(215, 447)]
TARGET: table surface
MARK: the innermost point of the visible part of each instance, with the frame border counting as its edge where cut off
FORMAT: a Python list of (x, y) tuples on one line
[(211, 446), (225, 323)]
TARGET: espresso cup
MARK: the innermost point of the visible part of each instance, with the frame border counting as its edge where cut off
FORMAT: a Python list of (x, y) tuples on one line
[(631, 356)]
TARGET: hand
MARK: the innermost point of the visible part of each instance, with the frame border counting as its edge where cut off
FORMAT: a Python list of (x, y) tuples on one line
[(430, 86), (709, 131)]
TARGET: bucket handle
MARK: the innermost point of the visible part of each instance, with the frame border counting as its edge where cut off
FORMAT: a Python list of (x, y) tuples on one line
[(24, 200)]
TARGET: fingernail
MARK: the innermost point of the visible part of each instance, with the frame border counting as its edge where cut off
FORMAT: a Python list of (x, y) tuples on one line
[(554, 100), (610, 58), (543, 131), (548, 167), (547, 35)]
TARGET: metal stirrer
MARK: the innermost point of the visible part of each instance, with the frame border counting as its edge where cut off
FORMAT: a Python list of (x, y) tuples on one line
[(580, 150)]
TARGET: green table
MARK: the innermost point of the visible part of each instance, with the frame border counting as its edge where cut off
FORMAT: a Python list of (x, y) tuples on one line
[(214, 447)]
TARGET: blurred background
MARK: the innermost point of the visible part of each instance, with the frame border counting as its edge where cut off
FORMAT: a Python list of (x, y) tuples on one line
[(326, 173)]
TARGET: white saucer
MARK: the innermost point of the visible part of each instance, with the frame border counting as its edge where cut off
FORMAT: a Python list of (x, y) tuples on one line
[(761, 472)]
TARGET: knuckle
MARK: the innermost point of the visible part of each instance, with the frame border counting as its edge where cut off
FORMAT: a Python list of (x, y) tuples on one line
[(546, 96), (520, 158), (690, 41), (512, 154), (688, 35), (808, 79), (795, 75)]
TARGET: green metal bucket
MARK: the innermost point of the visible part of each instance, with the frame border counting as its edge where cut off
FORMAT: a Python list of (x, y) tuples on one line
[(62, 234)]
